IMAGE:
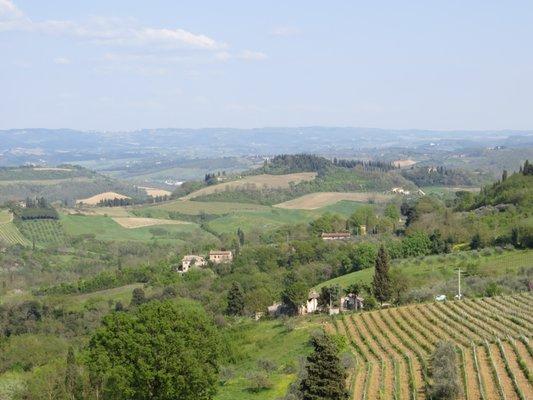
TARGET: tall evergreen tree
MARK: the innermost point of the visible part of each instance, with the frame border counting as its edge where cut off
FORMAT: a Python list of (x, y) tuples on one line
[(240, 235), (235, 300), (73, 384), (381, 283), (326, 377)]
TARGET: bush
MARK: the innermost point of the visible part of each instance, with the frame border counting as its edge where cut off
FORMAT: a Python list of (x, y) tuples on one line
[(267, 365), (445, 384), (258, 381)]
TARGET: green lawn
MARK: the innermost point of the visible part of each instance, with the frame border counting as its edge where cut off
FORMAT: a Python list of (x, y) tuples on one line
[(268, 340), (434, 269)]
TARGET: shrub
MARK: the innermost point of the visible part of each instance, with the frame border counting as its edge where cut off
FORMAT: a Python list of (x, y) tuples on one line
[(258, 381), (267, 365)]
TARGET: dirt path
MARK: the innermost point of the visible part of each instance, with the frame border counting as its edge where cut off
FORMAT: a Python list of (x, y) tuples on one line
[(471, 378), (486, 374), (505, 380), (521, 379)]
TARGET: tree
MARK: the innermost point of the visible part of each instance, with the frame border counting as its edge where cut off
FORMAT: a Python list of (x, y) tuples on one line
[(326, 376), (445, 384), (138, 297), (161, 350), (355, 288), (294, 295), (504, 175), (329, 295), (235, 300), (73, 383), (381, 283), (240, 235)]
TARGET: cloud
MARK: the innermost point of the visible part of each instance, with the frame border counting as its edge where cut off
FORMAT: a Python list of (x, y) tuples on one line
[(8, 10), (61, 60), (106, 31), (285, 31)]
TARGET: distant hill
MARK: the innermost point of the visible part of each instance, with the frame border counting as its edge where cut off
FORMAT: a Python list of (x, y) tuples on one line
[(65, 183)]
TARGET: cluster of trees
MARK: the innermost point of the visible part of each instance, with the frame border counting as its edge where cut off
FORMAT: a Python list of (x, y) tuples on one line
[(213, 178), (37, 208), (527, 169)]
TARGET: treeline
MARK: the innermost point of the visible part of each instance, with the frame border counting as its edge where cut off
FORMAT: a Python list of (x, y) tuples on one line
[(116, 202), (365, 165), (440, 176)]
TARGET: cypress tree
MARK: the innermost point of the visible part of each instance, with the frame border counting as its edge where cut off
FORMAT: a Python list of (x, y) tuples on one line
[(73, 383), (235, 300), (382, 284), (326, 376)]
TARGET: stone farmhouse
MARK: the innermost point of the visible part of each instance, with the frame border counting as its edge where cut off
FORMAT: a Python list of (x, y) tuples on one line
[(220, 256), (189, 261)]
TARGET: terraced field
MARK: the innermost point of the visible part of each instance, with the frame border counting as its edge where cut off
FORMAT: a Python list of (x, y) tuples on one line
[(393, 347)]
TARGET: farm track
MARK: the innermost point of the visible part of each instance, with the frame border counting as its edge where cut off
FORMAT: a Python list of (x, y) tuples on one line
[(393, 348), (521, 379)]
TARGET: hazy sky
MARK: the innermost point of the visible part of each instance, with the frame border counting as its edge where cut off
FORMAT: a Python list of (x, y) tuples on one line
[(128, 64)]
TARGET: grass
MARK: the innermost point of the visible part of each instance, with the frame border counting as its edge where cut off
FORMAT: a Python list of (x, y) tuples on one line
[(434, 269), (199, 207), (268, 340), (105, 229)]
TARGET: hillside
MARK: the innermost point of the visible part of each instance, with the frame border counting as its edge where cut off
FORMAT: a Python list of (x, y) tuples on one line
[(331, 176), (66, 183)]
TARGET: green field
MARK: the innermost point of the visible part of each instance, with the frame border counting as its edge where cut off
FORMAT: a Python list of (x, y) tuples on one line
[(434, 269), (199, 207), (271, 341), (105, 229), (43, 231)]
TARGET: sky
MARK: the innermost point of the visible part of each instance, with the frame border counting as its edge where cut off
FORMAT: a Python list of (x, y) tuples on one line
[(132, 64)]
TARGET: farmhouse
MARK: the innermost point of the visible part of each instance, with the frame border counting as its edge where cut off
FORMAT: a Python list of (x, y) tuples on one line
[(399, 190), (335, 235), (220, 256), (190, 261)]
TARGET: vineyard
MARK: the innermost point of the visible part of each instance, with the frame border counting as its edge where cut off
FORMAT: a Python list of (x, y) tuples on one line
[(393, 347), (43, 231), (9, 233)]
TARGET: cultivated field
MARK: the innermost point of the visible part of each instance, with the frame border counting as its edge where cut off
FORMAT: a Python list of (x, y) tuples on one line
[(43, 231), (133, 222), (8, 231), (393, 347), (321, 199), (94, 200), (155, 192), (404, 163), (255, 181)]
